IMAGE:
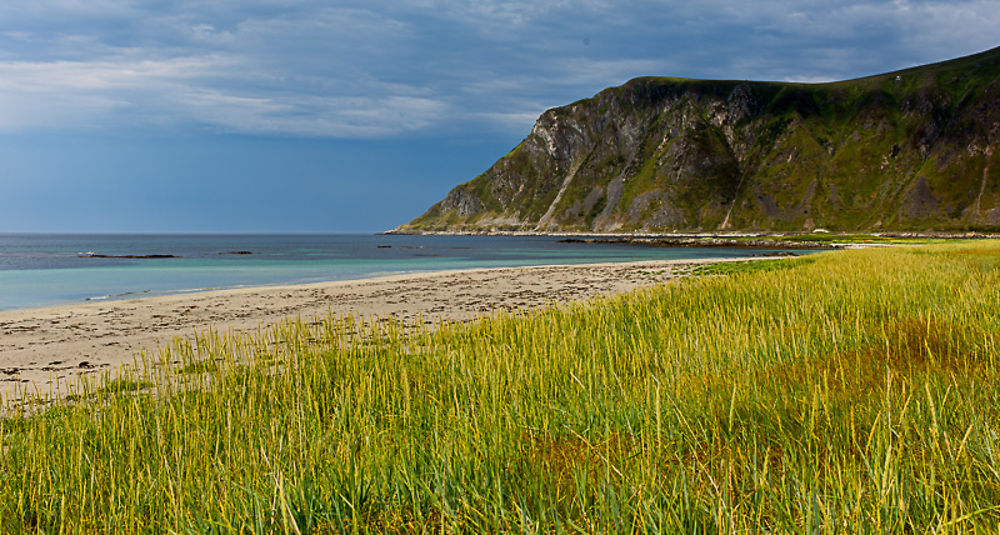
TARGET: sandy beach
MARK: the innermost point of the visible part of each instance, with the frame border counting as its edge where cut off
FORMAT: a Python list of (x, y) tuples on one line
[(42, 347)]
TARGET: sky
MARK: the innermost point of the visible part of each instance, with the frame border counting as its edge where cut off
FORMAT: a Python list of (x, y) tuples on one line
[(355, 116)]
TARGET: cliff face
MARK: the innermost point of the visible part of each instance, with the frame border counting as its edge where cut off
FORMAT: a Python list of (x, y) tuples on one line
[(909, 150)]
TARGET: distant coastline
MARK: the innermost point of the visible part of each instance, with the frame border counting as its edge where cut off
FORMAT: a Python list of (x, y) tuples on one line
[(928, 234)]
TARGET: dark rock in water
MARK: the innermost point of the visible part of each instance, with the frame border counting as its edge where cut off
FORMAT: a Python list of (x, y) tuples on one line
[(96, 255), (238, 252), (776, 253)]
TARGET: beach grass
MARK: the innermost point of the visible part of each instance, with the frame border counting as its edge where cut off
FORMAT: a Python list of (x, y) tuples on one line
[(851, 391)]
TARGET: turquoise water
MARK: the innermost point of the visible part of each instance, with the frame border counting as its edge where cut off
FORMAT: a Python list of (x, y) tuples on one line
[(40, 270)]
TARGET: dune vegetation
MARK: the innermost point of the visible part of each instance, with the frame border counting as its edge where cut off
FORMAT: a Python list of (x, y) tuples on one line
[(850, 391)]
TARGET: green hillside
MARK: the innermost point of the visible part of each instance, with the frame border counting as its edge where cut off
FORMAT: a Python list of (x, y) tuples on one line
[(907, 150)]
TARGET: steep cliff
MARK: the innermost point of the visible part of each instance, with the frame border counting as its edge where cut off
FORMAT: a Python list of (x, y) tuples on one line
[(908, 150)]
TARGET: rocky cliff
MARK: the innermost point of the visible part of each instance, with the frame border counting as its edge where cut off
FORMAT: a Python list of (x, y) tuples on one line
[(908, 150)]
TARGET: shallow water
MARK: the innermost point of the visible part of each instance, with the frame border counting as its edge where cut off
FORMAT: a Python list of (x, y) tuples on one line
[(39, 270)]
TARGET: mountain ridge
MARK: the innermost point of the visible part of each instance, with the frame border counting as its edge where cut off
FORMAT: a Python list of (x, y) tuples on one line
[(906, 150)]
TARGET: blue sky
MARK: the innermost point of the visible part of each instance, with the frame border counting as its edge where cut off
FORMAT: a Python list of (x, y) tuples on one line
[(310, 116)]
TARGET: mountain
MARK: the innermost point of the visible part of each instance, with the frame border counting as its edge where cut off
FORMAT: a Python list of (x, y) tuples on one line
[(907, 150)]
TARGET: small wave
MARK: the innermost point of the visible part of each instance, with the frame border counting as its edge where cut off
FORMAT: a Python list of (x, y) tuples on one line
[(376, 274), (151, 293), (205, 289), (116, 296)]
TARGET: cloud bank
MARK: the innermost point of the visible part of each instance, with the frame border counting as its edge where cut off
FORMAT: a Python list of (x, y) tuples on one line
[(380, 69)]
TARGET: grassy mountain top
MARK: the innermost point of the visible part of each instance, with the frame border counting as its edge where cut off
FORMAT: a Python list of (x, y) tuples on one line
[(906, 150)]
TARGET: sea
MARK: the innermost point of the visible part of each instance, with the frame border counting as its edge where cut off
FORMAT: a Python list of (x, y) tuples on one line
[(50, 269)]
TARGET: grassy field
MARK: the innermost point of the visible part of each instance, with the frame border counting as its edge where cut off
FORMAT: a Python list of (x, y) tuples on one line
[(852, 391)]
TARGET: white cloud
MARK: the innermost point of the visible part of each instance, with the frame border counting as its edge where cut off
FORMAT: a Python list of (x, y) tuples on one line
[(380, 68), (321, 117), (66, 94), (514, 121), (88, 94)]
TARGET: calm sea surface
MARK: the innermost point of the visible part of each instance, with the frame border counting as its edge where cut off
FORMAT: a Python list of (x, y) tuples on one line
[(38, 270)]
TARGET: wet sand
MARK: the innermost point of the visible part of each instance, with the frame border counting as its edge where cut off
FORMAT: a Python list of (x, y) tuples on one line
[(42, 347)]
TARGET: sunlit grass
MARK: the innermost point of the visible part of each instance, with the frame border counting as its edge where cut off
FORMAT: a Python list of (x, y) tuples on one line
[(749, 266), (855, 391)]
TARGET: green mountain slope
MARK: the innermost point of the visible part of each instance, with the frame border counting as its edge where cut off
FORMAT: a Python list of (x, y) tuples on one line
[(908, 150)]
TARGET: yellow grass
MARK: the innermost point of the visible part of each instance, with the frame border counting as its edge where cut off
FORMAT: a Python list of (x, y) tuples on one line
[(856, 392)]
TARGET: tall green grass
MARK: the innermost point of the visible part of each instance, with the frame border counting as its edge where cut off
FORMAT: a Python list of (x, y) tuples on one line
[(856, 392)]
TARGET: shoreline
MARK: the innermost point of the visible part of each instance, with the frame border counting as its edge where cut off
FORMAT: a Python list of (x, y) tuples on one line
[(44, 348), (943, 235)]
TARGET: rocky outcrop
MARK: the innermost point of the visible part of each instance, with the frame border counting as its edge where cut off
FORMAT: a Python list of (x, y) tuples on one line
[(909, 150)]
